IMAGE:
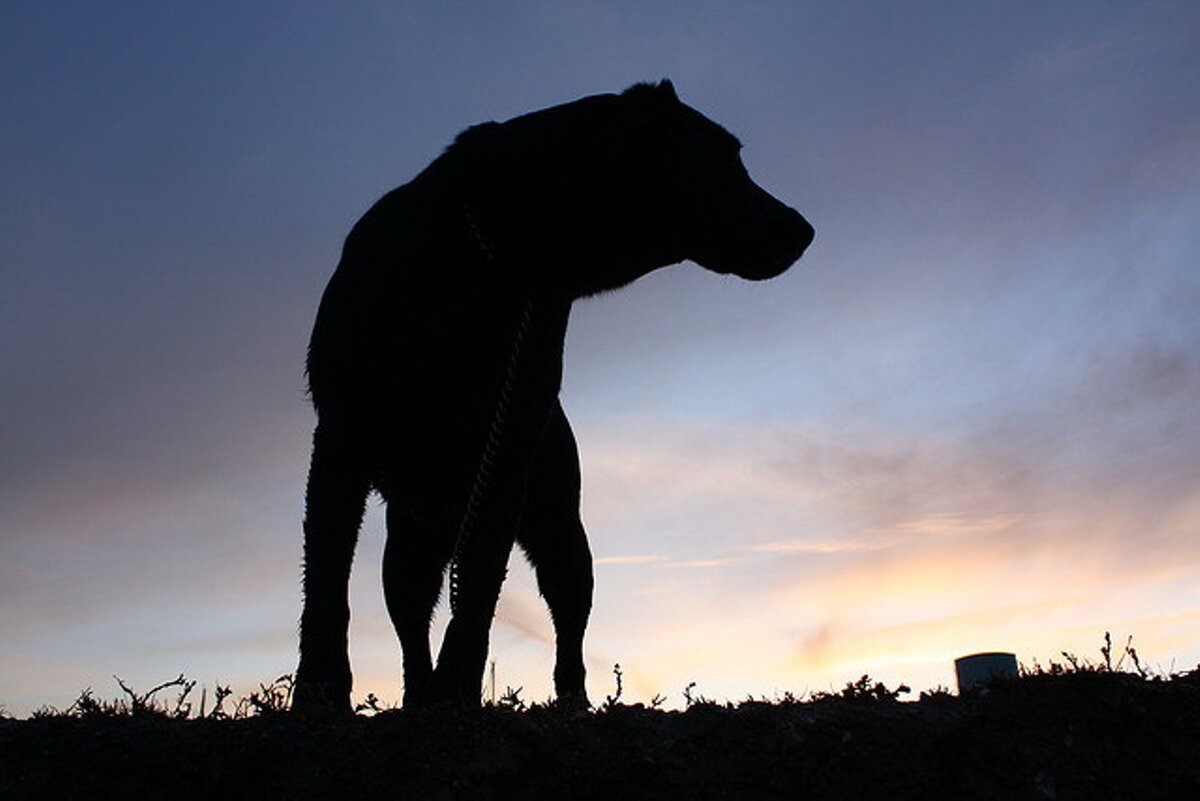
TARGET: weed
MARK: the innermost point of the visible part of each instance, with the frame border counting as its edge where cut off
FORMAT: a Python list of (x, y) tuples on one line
[(369, 704), (691, 700), (221, 693), (86, 705), (144, 704), (273, 698), (1074, 664), (611, 700), (938, 693), (511, 700), (864, 690)]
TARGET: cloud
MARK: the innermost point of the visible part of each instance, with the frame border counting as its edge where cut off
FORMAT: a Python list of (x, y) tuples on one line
[(887, 537), (982, 375), (525, 615), (702, 564), (893, 548), (629, 560), (819, 546)]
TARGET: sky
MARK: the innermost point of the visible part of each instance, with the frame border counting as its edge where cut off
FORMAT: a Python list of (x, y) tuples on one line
[(966, 421)]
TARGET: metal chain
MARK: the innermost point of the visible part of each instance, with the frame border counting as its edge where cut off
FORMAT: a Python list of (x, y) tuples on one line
[(491, 446)]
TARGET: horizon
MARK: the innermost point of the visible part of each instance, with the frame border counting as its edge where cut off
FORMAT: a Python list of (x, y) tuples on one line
[(965, 421)]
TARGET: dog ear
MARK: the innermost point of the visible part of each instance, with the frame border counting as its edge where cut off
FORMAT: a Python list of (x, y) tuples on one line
[(654, 105), (663, 91)]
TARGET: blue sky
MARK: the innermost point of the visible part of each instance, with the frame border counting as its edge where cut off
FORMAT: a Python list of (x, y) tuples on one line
[(965, 421)]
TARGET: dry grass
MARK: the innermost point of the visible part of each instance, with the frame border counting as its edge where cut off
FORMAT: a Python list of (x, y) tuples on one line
[(1107, 728)]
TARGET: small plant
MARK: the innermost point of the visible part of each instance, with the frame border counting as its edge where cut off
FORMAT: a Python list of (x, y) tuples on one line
[(217, 713), (691, 700), (864, 690), (611, 700), (144, 704), (369, 704), (1129, 651), (270, 699), (86, 706), (938, 693), (511, 700), (1074, 664)]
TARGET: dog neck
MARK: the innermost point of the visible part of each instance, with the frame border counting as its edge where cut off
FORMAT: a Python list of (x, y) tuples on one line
[(485, 247)]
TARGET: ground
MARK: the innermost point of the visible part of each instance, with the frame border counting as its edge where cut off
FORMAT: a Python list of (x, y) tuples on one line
[(1090, 734)]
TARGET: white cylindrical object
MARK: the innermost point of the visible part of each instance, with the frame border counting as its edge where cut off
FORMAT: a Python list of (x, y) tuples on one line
[(977, 670)]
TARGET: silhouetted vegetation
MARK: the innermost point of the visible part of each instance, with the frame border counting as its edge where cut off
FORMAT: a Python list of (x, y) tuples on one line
[(1076, 729)]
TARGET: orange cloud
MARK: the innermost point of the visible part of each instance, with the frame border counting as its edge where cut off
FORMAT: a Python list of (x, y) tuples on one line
[(629, 560)]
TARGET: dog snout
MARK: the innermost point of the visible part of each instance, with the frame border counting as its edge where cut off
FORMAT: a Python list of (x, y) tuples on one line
[(803, 232)]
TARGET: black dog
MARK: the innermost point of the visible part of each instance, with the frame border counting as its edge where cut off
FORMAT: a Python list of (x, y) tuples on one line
[(436, 360)]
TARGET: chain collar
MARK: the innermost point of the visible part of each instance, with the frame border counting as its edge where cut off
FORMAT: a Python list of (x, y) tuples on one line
[(485, 247)]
